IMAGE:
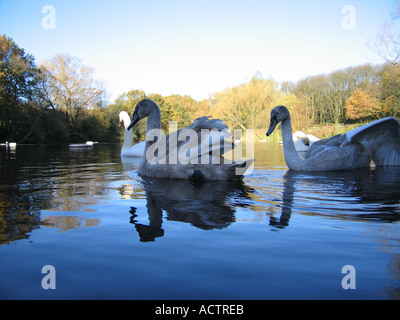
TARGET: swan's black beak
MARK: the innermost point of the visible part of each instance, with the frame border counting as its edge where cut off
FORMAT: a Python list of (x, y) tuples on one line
[(135, 119), (272, 126)]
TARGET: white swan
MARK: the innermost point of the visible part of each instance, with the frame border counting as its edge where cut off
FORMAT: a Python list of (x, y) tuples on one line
[(378, 140), (203, 160), (302, 141), (127, 149), (11, 145), (87, 144)]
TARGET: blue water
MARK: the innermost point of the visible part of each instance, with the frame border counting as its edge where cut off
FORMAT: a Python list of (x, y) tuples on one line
[(110, 234)]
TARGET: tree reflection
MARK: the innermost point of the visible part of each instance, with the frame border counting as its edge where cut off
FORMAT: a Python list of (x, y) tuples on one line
[(39, 177)]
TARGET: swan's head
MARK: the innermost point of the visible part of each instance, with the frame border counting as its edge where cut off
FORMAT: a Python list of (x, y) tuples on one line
[(142, 110), (123, 118), (278, 114)]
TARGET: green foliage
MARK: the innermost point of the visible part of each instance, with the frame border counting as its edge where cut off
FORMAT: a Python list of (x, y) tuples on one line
[(327, 94), (61, 102), (19, 78), (125, 102)]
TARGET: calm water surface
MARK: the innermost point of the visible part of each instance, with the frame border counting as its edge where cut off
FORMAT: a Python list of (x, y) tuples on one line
[(111, 234)]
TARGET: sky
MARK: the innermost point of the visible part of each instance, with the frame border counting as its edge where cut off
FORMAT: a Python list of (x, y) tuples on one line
[(201, 47)]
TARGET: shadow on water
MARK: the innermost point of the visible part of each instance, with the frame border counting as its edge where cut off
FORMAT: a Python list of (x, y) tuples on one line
[(203, 205), (366, 194)]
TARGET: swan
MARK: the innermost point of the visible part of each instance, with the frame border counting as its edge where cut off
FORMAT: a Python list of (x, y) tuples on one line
[(127, 149), (163, 157), (87, 144), (378, 140), (11, 145), (302, 141)]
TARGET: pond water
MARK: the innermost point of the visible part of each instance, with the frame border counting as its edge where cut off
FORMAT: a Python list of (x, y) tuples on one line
[(110, 234)]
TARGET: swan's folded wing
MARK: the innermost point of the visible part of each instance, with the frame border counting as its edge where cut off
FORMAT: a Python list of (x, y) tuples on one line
[(381, 139), (322, 145), (188, 145), (204, 140), (205, 123), (206, 146)]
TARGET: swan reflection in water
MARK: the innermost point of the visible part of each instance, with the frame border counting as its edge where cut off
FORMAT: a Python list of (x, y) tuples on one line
[(366, 194), (204, 205)]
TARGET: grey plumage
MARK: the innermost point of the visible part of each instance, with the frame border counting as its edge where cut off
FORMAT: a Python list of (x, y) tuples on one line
[(194, 152), (378, 141)]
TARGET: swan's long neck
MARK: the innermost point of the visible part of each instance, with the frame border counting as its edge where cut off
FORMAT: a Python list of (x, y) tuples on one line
[(154, 120), (128, 134), (292, 158), (153, 124)]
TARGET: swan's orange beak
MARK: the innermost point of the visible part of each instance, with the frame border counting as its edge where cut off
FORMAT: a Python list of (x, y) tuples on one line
[(119, 123)]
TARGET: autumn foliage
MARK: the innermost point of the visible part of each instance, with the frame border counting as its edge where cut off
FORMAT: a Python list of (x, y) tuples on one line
[(362, 106), (60, 101)]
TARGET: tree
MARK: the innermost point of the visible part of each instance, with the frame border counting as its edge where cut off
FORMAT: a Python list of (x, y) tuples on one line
[(241, 106), (327, 94), (299, 111), (129, 100), (184, 108), (362, 106), (316, 90), (19, 78), (387, 43), (71, 86), (125, 102), (390, 89), (202, 109)]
